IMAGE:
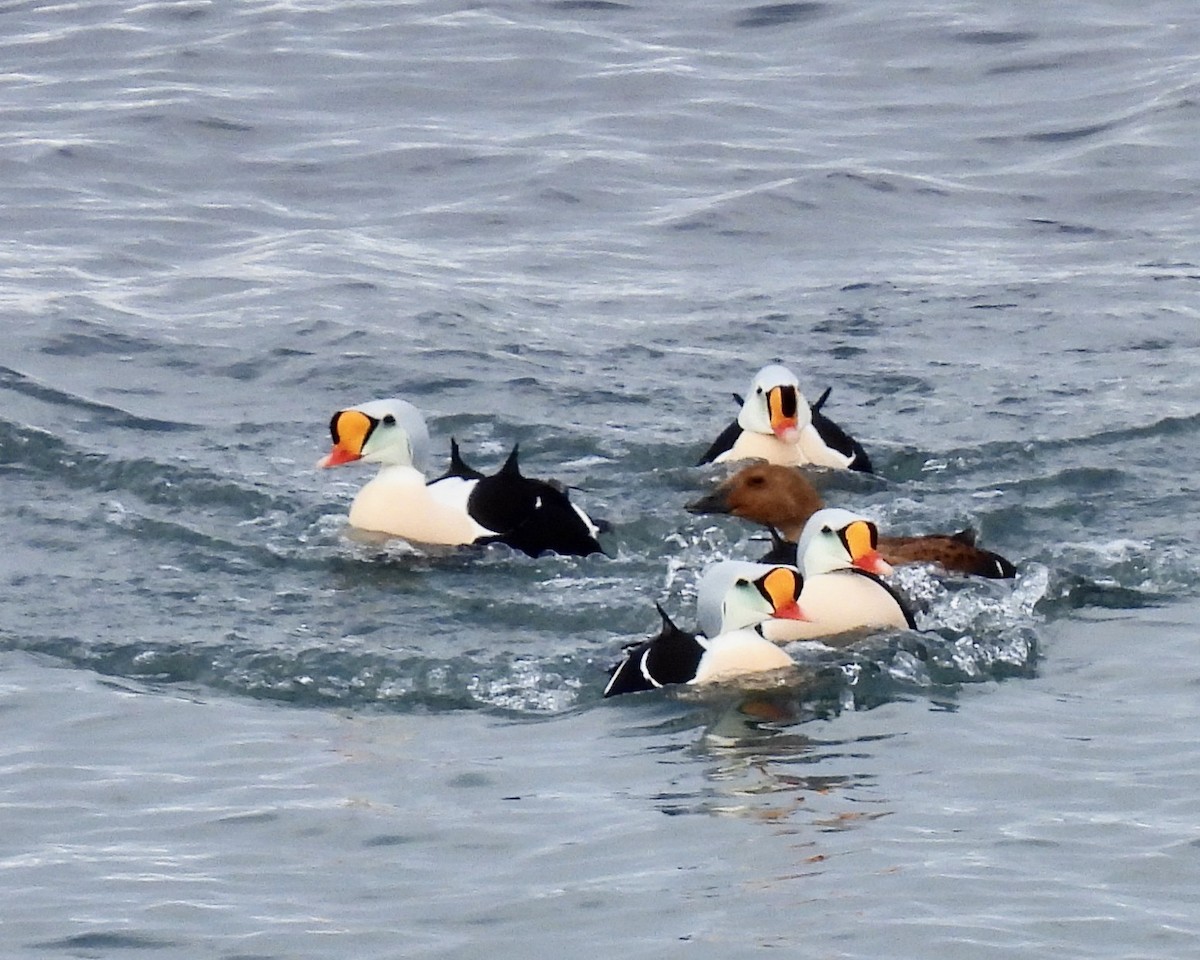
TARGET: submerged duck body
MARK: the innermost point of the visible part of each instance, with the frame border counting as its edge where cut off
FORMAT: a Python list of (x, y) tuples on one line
[(956, 552), (842, 591), (463, 506), (735, 600), (783, 498), (778, 425)]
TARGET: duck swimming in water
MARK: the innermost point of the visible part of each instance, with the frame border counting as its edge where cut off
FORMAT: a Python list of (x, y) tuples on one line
[(735, 600), (778, 425), (783, 498), (463, 506), (842, 590)]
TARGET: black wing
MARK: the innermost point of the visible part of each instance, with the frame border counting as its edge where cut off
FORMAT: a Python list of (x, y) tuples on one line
[(627, 676), (529, 515), (1005, 569), (903, 604), (671, 656), (551, 524), (782, 551), (1001, 569), (458, 467), (991, 565), (725, 441), (838, 439)]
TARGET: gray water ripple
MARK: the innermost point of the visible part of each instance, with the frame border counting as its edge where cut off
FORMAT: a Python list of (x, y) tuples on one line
[(102, 414), (991, 38), (160, 484), (1043, 453), (336, 675), (88, 944), (590, 6), (581, 226), (781, 14), (562, 663), (978, 647)]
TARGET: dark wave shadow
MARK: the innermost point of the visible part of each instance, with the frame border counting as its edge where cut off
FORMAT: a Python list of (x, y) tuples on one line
[(780, 14)]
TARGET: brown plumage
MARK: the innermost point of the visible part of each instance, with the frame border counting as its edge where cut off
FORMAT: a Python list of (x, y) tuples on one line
[(779, 497), (956, 552), (784, 498)]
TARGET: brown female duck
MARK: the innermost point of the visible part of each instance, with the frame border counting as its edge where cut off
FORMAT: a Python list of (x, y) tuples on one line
[(783, 498)]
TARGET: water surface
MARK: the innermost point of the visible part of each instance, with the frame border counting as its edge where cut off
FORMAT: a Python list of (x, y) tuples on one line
[(236, 732)]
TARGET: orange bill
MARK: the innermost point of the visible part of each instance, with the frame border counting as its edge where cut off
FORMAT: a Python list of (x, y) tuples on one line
[(350, 429), (781, 405), (861, 539), (781, 587)]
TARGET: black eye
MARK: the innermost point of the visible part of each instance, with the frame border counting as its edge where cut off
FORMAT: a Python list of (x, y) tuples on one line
[(759, 390), (389, 420), (742, 583), (827, 529)]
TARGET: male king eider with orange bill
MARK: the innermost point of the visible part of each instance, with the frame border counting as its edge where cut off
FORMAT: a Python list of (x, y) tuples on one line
[(839, 560), (778, 425), (783, 498), (461, 507), (735, 601)]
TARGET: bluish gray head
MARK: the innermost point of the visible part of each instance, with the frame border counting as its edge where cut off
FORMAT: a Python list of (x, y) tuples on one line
[(735, 593), (837, 539), (388, 432)]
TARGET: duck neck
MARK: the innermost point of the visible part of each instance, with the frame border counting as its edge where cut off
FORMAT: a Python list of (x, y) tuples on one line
[(400, 473), (790, 531)]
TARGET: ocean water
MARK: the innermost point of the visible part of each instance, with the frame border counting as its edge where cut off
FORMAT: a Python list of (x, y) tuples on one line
[(234, 731)]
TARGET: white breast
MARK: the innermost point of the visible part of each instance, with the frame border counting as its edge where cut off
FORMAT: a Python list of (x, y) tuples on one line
[(761, 446), (739, 653), (814, 450), (839, 602), (397, 502), (808, 448)]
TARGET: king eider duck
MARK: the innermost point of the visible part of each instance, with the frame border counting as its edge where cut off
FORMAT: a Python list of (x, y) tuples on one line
[(842, 591), (783, 498), (735, 600), (778, 425), (463, 506)]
